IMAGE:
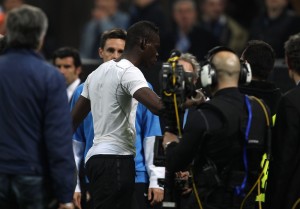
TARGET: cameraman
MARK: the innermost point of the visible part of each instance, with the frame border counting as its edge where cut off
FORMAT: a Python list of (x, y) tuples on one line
[(212, 136)]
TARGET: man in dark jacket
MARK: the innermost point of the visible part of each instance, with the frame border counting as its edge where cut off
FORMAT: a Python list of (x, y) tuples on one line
[(283, 189), (35, 122)]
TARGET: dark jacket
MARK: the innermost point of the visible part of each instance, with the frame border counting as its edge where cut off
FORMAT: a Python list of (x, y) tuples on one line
[(201, 41), (35, 122), (264, 90), (283, 185)]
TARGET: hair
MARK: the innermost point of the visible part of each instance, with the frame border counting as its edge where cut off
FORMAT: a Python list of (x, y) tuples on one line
[(68, 52), (140, 30), (261, 57), (116, 33), (292, 52), (192, 60), (26, 26), (183, 1)]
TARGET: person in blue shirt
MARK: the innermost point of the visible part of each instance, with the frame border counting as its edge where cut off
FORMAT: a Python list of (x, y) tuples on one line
[(147, 190)]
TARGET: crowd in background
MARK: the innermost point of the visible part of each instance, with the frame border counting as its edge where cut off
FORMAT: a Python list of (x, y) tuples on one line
[(184, 24)]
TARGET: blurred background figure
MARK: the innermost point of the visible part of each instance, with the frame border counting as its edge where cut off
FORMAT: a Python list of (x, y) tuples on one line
[(186, 35), (68, 62), (7, 6), (224, 28), (275, 24), (105, 15), (150, 10)]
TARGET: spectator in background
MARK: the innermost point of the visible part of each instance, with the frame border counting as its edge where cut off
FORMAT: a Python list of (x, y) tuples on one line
[(186, 36), (105, 16), (7, 6), (150, 10), (35, 123), (68, 62), (283, 190), (261, 57), (244, 11), (275, 25), (225, 29)]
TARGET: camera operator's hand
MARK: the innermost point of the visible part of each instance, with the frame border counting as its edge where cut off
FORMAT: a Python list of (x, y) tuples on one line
[(184, 176), (155, 195), (169, 138), (195, 100)]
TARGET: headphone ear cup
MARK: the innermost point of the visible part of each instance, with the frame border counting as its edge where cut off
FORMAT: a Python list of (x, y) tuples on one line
[(207, 75), (246, 73)]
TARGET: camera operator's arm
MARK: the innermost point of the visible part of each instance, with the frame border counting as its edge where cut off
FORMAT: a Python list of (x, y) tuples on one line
[(180, 155), (150, 99)]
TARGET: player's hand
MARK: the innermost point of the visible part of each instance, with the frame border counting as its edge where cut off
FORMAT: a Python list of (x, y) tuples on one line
[(155, 195), (77, 199)]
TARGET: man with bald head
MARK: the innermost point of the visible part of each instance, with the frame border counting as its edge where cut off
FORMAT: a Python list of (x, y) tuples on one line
[(212, 136)]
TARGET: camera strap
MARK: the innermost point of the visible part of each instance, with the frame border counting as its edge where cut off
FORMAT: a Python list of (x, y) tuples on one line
[(239, 189)]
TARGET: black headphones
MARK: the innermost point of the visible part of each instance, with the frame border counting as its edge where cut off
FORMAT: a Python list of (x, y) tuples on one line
[(208, 73)]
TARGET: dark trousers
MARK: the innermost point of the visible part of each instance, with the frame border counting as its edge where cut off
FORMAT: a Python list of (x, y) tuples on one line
[(111, 180), (22, 192)]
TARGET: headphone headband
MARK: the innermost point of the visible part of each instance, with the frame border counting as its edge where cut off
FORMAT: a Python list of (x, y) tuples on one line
[(215, 50), (208, 73)]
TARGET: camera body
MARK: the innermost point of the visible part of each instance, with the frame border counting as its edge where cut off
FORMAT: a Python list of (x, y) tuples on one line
[(174, 81)]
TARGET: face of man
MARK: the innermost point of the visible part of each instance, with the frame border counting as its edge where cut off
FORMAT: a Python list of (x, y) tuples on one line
[(150, 53), (187, 67), (185, 15), (113, 49), (276, 4), (67, 68), (213, 9)]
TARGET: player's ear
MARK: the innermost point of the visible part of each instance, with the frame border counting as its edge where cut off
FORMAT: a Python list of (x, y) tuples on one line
[(143, 44), (100, 52)]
